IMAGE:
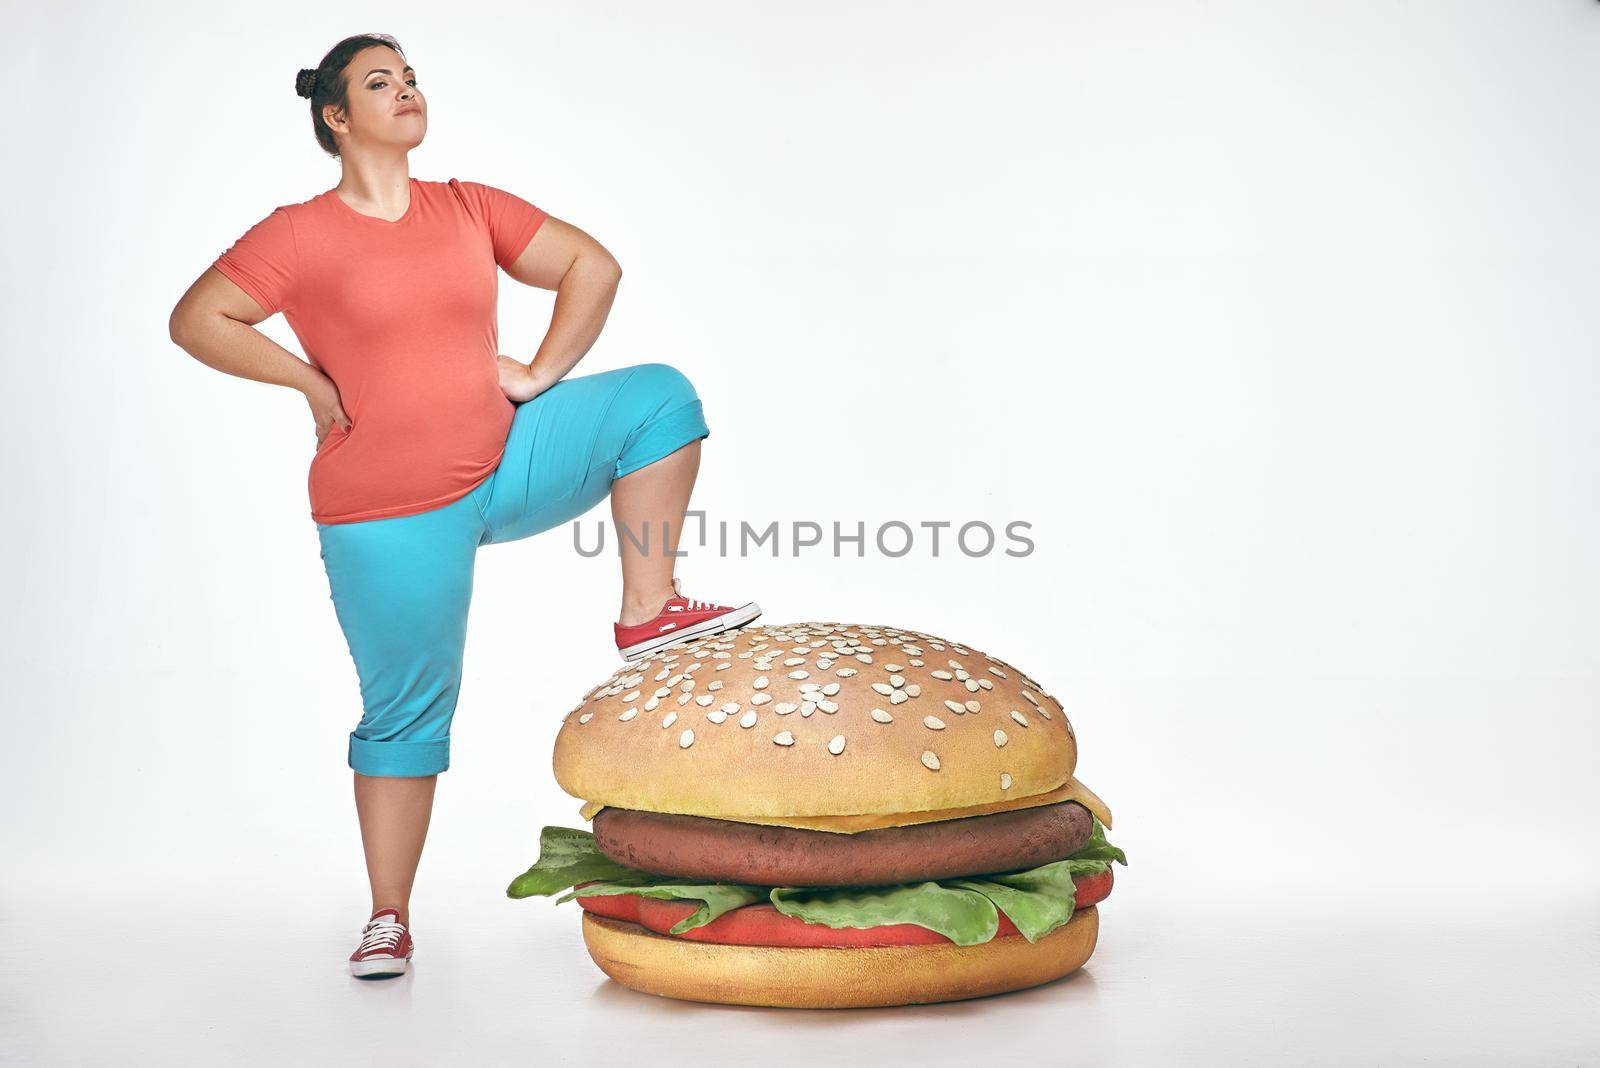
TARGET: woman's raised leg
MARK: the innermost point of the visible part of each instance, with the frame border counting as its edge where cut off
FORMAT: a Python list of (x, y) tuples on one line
[(650, 503), (633, 433)]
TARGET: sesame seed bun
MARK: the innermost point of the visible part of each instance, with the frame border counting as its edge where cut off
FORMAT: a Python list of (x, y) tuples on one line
[(897, 721), (807, 978)]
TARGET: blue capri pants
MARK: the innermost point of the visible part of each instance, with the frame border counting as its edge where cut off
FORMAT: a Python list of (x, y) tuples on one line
[(401, 586)]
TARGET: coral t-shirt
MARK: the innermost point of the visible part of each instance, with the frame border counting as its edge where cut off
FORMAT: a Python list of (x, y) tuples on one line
[(401, 315)]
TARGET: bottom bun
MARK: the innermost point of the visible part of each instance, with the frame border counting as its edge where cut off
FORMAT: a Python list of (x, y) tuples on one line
[(800, 978)]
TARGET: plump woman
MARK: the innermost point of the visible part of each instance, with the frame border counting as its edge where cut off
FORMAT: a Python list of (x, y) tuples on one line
[(429, 441)]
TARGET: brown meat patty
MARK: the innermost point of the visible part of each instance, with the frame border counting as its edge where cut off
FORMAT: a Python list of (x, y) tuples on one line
[(724, 851)]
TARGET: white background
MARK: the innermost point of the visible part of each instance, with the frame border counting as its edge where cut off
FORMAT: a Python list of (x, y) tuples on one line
[(1275, 320)]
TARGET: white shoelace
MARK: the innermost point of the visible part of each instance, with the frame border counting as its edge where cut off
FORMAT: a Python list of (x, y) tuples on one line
[(380, 935), (694, 603)]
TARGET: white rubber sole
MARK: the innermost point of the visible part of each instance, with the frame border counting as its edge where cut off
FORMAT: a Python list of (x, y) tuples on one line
[(378, 967), (727, 621)]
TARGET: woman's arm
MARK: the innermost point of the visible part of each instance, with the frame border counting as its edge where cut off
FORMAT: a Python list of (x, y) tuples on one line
[(584, 276), (215, 323)]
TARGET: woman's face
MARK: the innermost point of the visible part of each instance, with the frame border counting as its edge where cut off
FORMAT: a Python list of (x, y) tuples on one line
[(387, 109)]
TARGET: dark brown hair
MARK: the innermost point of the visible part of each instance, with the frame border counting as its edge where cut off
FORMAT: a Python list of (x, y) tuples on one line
[(325, 84)]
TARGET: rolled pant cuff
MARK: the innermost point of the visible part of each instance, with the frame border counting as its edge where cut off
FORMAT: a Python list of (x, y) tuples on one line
[(400, 759), (663, 436)]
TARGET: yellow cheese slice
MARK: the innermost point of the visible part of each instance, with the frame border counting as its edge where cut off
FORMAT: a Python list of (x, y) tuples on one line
[(1071, 790)]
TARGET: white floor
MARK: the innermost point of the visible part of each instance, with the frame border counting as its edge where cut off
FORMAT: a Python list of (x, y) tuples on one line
[(1338, 872), (110, 973)]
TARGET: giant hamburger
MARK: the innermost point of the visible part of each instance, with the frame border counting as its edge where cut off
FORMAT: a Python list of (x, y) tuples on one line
[(826, 815)]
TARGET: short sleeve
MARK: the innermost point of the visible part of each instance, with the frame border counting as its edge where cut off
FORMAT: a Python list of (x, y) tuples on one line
[(512, 221), (263, 262)]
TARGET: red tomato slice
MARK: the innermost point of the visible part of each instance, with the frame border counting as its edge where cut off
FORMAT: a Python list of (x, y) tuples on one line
[(616, 906), (759, 924)]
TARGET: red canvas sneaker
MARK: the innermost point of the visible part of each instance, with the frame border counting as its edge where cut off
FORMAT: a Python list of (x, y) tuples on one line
[(385, 948), (680, 619)]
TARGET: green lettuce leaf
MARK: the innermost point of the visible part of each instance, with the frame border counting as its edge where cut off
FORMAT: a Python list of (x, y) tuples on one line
[(1037, 901), (1097, 848), (964, 917), (1041, 899), (714, 898), (567, 857), (964, 910)]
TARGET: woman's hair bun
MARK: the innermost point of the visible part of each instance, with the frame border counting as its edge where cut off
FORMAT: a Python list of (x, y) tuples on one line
[(305, 81)]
